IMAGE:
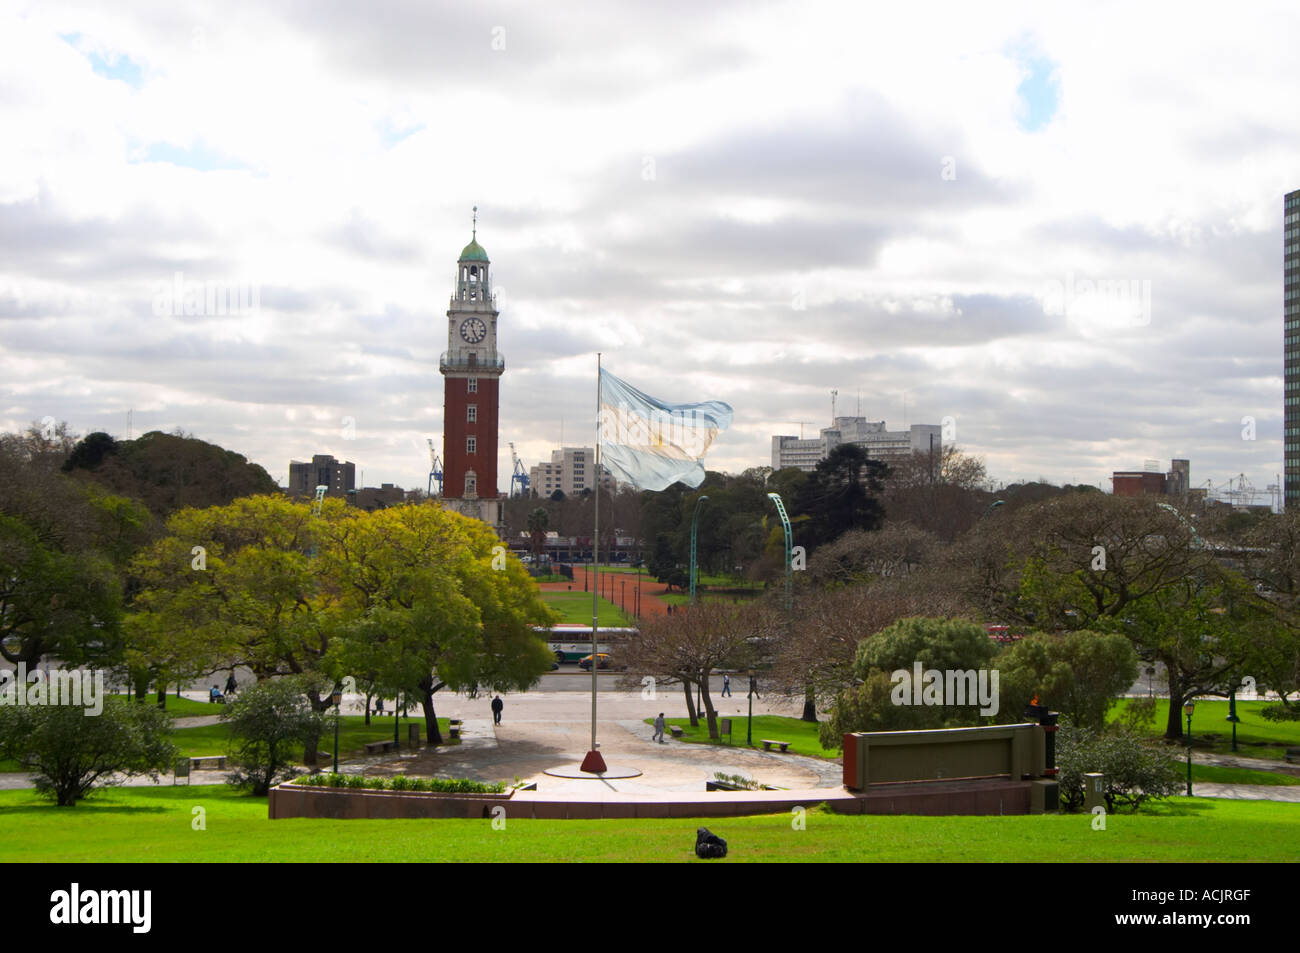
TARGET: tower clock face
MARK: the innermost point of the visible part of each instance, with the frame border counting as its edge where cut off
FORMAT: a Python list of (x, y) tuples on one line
[(473, 330)]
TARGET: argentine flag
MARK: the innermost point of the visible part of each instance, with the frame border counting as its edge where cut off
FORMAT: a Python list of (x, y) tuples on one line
[(652, 444)]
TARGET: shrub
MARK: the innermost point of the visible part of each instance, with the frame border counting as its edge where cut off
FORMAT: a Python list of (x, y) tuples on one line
[(402, 783), (268, 722), (1139, 714), (1136, 769), (1280, 713), (72, 752)]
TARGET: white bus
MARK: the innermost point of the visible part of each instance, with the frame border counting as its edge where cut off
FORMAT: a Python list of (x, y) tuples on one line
[(573, 642)]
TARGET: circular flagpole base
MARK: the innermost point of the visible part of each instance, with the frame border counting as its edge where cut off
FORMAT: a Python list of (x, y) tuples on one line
[(593, 763)]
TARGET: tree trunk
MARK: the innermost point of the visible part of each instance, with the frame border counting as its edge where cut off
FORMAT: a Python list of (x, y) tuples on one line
[(311, 748), (809, 707), (1174, 724), (368, 698), (141, 686), (430, 717), (162, 696), (711, 715), (690, 704)]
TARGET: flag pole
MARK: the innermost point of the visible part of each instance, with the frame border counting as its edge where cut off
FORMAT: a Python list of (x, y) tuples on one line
[(593, 763)]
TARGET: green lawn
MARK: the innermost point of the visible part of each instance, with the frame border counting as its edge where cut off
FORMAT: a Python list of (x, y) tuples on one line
[(802, 735), (575, 608), (185, 707), (155, 824), (1256, 737), (353, 735), (1221, 775)]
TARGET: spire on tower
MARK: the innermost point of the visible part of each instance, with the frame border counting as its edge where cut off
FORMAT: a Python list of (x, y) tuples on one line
[(475, 235)]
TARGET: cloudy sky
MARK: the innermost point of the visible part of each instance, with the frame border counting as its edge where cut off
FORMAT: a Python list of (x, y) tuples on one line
[(755, 203)]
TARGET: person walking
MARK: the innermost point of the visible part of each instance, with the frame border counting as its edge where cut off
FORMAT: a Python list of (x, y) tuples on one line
[(726, 684), (659, 730), (497, 706), (231, 685)]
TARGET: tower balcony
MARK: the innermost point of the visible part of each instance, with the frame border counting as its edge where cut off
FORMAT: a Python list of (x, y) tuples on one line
[(470, 362)]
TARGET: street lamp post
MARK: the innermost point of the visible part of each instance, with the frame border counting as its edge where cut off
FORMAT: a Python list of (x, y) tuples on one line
[(336, 697), (1232, 716), (1187, 710), (749, 725)]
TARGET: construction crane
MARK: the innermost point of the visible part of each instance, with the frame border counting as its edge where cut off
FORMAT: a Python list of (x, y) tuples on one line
[(435, 469), (519, 476)]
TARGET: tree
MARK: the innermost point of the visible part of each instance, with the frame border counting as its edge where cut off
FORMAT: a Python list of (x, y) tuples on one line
[(942, 493), (1125, 565), (841, 494), (688, 646), (537, 525), (421, 602), (1080, 674), (254, 594), (72, 751), (167, 472), (62, 547), (936, 644), (268, 722)]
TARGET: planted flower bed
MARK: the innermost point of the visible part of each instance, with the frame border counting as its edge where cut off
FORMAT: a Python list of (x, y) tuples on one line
[(343, 796), (401, 782)]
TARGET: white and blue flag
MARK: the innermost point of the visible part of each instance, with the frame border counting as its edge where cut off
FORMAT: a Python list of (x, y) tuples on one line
[(652, 444)]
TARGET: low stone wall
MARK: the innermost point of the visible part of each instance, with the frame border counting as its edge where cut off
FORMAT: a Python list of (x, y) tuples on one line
[(936, 798), (299, 800)]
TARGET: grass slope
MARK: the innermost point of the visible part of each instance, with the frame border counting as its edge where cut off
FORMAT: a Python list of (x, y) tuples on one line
[(802, 735), (575, 609), (154, 824)]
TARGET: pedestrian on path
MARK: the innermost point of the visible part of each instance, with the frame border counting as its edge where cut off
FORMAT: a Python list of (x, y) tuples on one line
[(659, 730), (497, 706), (726, 684), (231, 684)]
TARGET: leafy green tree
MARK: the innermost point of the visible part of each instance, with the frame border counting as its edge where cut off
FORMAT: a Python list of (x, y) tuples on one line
[(1080, 674), (421, 600), (268, 723), (944, 644), (72, 751), (167, 472)]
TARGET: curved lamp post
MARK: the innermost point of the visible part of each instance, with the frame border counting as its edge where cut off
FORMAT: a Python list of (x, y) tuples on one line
[(695, 523)]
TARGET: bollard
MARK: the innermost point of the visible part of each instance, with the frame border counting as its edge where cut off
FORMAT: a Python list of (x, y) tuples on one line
[(1094, 791)]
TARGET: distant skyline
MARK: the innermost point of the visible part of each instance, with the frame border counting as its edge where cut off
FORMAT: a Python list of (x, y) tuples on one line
[(777, 201)]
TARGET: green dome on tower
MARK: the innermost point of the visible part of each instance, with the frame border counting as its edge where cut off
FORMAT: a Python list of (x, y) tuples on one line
[(473, 252)]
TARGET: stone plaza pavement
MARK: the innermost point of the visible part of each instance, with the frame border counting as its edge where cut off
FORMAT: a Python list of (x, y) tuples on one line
[(541, 730)]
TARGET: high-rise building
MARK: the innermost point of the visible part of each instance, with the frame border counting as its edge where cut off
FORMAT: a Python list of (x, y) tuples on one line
[(323, 470), (1291, 349), (471, 368), (571, 471), (788, 451)]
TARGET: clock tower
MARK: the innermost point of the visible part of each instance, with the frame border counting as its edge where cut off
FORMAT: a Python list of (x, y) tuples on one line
[(471, 369)]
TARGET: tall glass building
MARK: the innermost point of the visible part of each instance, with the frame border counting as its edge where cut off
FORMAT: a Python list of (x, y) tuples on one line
[(1291, 348)]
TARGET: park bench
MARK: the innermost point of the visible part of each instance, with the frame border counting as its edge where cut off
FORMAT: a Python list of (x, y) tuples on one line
[(1293, 755), (676, 730), (380, 747), (209, 762), (768, 742)]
